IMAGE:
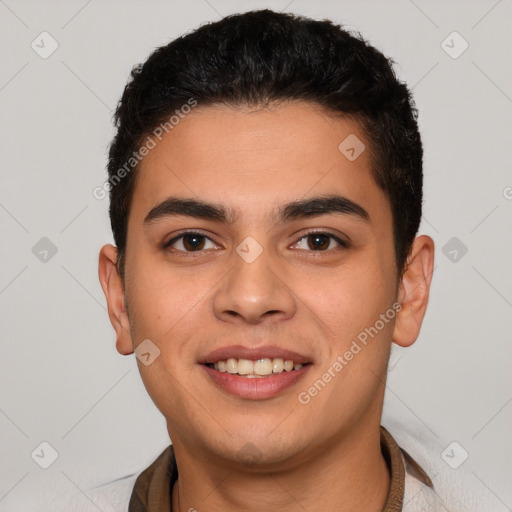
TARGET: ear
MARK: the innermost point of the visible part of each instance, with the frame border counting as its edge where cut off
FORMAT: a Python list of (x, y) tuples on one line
[(113, 288), (413, 291)]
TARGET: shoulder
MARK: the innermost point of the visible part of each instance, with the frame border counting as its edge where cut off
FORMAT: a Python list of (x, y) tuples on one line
[(114, 496), (456, 490), (134, 490)]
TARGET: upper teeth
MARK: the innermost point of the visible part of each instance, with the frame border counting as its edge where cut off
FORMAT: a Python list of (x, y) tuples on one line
[(264, 366)]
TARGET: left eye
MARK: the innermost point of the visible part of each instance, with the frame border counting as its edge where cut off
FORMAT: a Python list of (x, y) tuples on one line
[(190, 242), (319, 242)]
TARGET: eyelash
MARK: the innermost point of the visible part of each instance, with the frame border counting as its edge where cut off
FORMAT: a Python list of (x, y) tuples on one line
[(342, 243)]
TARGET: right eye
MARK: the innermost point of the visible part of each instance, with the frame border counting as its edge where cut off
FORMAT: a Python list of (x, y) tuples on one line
[(190, 241)]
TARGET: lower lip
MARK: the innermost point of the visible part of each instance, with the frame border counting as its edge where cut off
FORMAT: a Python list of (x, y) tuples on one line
[(255, 388)]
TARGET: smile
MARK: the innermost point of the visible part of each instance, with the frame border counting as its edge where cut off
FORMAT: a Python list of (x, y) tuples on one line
[(259, 368)]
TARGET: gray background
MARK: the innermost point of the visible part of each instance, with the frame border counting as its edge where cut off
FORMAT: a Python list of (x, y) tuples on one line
[(63, 381)]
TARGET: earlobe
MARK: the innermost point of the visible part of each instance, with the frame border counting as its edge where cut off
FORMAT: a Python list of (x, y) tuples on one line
[(414, 291), (113, 288)]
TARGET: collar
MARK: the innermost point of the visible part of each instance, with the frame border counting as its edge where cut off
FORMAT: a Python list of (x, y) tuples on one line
[(152, 489)]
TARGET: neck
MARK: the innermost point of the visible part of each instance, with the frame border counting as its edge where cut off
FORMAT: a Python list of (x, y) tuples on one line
[(335, 478)]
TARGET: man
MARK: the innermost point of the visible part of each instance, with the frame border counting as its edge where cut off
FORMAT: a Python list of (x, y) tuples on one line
[(266, 187)]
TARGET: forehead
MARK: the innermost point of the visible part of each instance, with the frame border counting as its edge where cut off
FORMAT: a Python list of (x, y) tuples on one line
[(255, 158)]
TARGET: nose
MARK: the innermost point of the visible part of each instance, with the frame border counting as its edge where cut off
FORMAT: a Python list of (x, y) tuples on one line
[(254, 293)]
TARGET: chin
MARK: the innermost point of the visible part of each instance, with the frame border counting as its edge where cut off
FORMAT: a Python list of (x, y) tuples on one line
[(258, 451)]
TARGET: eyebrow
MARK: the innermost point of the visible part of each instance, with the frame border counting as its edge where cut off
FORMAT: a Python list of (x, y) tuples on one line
[(302, 209)]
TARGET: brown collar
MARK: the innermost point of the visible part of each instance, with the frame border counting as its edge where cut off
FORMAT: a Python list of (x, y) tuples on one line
[(153, 488)]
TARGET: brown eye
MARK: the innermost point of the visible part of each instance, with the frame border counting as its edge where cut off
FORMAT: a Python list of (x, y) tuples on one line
[(190, 242), (193, 242), (318, 241)]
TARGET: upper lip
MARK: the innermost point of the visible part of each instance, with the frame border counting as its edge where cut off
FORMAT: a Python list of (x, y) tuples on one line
[(242, 352)]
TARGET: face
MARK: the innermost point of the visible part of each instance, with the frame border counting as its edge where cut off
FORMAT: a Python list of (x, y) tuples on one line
[(255, 244)]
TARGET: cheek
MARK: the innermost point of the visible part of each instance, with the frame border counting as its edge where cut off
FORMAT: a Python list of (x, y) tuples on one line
[(160, 299), (347, 301), (357, 342)]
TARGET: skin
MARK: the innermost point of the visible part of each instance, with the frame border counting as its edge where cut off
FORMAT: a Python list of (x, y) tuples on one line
[(314, 302)]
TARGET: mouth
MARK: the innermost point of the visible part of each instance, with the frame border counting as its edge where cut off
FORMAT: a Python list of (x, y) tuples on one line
[(258, 369), (255, 373)]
